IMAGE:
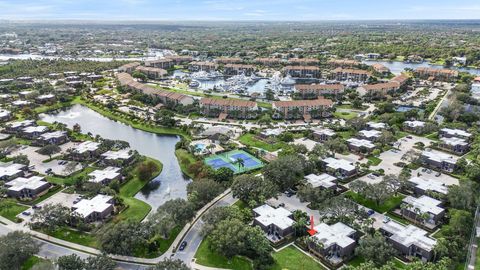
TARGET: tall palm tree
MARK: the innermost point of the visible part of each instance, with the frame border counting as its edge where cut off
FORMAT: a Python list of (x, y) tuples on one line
[(240, 162)]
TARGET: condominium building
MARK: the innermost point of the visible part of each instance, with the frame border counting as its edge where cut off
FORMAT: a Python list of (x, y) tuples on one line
[(302, 71), (236, 69), (307, 109), (409, 240), (349, 74), (166, 97), (152, 72), (202, 66), (439, 160), (316, 90), (340, 168), (334, 243), (32, 187), (275, 222), (95, 209), (160, 63), (436, 74), (424, 209), (244, 109)]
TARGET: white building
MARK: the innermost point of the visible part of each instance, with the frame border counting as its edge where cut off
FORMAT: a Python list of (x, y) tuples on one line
[(416, 207), (340, 167), (97, 208), (11, 170), (439, 160), (21, 187), (358, 144), (370, 135), (423, 185), (323, 180), (409, 240), (123, 155), (448, 132), (275, 222), (104, 176), (377, 126)]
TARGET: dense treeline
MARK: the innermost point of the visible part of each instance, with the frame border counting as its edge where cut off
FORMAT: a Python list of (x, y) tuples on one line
[(40, 68)]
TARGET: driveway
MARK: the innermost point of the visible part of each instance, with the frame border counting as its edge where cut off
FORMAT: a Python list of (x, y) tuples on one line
[(393, 156), (293, 203)]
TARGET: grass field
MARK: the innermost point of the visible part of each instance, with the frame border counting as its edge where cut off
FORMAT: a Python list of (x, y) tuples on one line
[(69, 180), (209, 258), (359, 260), (136, 209), (27, 265), (10, 209), (374, 161), (293, 259), (386, 206), (345, 115), (123, 119), (183, 154), (251, 140), (77, 237)]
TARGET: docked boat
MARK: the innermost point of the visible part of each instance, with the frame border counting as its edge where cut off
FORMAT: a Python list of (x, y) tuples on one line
[(194, 84)]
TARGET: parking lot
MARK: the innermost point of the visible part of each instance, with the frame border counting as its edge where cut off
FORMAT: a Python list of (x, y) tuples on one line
[(293, 203), (393, 156), (58, 167), (441, 177), (61, 198)]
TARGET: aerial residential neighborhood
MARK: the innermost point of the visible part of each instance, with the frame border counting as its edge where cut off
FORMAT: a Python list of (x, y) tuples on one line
[(244, 135)]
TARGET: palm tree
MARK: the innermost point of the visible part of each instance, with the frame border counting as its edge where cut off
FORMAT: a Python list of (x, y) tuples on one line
[(240, 162)]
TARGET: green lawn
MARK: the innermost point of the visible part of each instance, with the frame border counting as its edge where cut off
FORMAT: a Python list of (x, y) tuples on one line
[(477, 262), (183, 154), (69, 180), (250, 140), (293, 259), (136, 209), (386, 206), (346, 134), (359, 260), (209, 258), (10, 209), (136, 124), (374, 161), (400, 134), (77, 237), (134, 185), (163, 245), (27, 265), (345, 115)]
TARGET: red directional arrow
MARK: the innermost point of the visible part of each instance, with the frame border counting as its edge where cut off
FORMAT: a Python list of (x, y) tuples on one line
[(312, 230)]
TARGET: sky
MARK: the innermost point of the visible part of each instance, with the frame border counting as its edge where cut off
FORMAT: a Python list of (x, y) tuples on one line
[(233, 10)]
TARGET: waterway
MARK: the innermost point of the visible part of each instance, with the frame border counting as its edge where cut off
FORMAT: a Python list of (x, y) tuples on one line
[(396, 67), (170, 184)]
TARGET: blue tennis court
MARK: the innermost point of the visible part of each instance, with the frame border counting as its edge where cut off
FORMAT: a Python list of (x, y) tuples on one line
[(237, 160)]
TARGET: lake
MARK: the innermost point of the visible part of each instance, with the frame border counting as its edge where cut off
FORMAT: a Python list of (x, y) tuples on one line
[(170, 184)]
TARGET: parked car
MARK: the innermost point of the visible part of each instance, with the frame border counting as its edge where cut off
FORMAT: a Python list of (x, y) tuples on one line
[(370, 212), (438, 174), (26, 213), (386, 219), (182, 245)]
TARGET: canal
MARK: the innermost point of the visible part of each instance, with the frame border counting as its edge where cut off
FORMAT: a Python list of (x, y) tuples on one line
[(170, 184)]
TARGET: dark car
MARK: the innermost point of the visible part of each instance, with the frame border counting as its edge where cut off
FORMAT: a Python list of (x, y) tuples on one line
[(182, 245), (370, 212)]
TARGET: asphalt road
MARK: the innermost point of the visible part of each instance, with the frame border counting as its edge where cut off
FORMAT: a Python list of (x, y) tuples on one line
[(193, 239), (52, 251), (194, 236)]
